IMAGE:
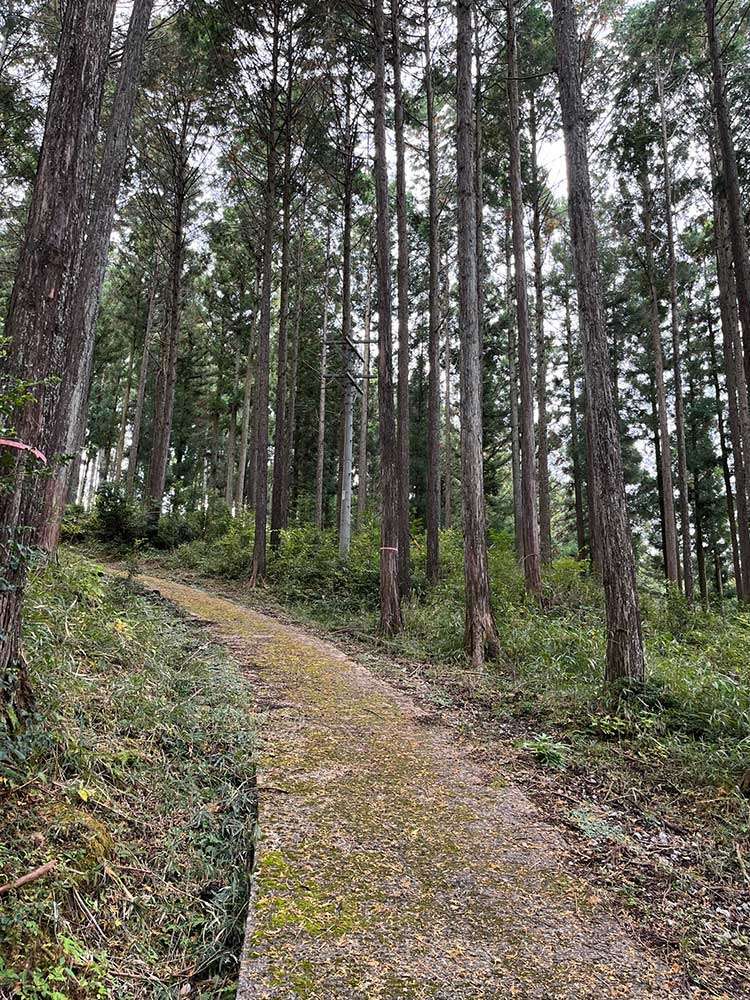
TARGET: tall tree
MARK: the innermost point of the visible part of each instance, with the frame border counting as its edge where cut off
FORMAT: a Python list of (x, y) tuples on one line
[(529, 523), (539, 199), (402, 281), (44, 352), (258, 569), (671, 557), (682, 468), (391, 621), (433, 349), (730, 179), (625, 656), (280, 457), (480, 633), (83, 308)]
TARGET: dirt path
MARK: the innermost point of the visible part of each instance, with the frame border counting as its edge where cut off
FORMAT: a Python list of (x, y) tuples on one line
[(388, 865)]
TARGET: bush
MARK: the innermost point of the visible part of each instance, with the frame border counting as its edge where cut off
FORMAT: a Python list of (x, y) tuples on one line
[(77, 524), (116, 518)]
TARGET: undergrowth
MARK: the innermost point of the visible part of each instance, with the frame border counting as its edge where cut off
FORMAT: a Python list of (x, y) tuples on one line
[(696, 701), (136, 779)]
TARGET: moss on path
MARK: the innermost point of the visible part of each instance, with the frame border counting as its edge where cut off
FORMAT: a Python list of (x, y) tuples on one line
[(388, 866)]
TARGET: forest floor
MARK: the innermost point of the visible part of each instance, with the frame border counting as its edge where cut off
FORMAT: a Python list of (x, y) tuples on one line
[(399, 856)]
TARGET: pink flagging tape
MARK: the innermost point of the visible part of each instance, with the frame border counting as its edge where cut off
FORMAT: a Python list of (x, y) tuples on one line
[(21, 446), (388, 548)]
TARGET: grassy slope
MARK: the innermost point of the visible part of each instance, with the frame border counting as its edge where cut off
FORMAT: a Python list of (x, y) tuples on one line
[(137, 779)]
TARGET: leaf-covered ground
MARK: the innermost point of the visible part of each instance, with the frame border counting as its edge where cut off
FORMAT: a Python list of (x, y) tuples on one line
[(137, 780), (391, 863)]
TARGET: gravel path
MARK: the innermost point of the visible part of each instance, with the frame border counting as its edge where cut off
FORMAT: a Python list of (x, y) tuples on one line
[(388, 866)]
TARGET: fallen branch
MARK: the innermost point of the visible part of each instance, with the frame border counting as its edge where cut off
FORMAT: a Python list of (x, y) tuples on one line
[(29, 877)]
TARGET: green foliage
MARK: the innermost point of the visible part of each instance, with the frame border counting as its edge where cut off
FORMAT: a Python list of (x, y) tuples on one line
[(228, 555), (116, 518), (138, 779), (548, 751)]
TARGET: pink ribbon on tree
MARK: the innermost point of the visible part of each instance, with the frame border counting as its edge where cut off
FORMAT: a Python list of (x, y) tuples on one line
[(21, 446)]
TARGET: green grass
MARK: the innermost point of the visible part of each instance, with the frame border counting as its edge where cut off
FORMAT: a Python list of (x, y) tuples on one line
[(137, 778)]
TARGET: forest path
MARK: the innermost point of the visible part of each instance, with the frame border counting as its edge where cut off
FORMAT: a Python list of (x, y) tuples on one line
[(390, 864)]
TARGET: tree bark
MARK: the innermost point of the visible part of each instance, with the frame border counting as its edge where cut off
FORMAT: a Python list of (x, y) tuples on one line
[(682, 469), (730, 182), (365, 398), (258, 567), (625, 655), (659, 480), (83, 308), (140, 396), (280, 457), (575, 444), (480, 633), (232, 432), (43, 350), (247, 404), (166, 376), (347, 346), (515, 433), (124, 419), (529, 523), (402, 281), (391, 621), (545, 514), (671, 566), (291, 418), (724, 452), (737, 399), (448, 415), (433, 346), (320, 465)]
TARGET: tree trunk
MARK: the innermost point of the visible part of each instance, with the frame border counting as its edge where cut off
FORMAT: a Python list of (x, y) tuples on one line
[(320, 466), (247, 402), (347, 346), (232, 432), (480, 633), (43, 349), (258, 568), (730, 182), (391, 621), (280, 457), (140, 396), (659, 480), (739, 416), (448, 442), (124, 420), (529, 523), (365, 399), (82, 492), (402, 281), (625, 657), (82, 309), (479, 182), (682, 469), (545, 515), (433, 346), (166, 376), (724, 452), (291, 417), (672, 566), (515, 433), (574, 432)]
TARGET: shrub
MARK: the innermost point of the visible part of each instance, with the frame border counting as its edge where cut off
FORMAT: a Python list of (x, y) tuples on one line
[(116, 518)]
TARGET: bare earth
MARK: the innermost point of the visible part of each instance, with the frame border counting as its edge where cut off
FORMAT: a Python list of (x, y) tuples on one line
[(389, 866)]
